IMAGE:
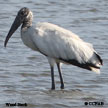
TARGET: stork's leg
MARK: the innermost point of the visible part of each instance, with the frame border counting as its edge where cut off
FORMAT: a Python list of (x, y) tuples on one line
[(52, 62), (52, 77), (60, 74)]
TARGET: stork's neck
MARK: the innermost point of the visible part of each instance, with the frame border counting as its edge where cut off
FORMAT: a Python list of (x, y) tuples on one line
[(28, 21), (26, 24)]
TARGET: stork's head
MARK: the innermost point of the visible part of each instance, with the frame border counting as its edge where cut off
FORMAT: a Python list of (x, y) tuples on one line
[(24, 16)]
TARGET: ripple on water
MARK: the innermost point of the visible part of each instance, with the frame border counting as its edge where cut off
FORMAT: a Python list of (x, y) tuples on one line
[(25, 74)]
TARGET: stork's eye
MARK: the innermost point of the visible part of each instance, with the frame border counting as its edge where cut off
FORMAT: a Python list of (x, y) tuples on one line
[(22, 13)]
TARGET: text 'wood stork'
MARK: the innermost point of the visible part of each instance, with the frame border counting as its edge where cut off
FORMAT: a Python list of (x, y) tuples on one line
[(57, 44)]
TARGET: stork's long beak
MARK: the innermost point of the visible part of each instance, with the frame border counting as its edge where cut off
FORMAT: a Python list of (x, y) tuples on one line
[(14, 27)]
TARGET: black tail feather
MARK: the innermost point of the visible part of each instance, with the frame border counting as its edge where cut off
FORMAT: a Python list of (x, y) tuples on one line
[(81, 65), (101, 61)]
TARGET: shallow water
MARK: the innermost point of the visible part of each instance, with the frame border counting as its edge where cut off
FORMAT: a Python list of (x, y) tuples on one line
[(25, 74)]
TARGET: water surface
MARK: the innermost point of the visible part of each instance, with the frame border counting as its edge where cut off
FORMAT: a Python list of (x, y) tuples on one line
[(25, 74)]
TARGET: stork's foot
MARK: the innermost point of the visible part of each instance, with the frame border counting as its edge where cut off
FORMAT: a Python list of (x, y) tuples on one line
[(53, 87), (62, 86)]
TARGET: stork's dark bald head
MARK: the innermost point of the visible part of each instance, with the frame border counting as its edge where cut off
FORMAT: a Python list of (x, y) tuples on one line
[(25, 14), (24, 11), (24, 17)]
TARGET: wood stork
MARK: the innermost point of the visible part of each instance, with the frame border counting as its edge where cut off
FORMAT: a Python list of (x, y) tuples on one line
[(57, 44)]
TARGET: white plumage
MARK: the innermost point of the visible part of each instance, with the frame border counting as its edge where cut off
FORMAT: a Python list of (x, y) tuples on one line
[(56, 43)]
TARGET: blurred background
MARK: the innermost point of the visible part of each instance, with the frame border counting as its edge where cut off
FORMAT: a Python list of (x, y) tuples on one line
[(25, 74)]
